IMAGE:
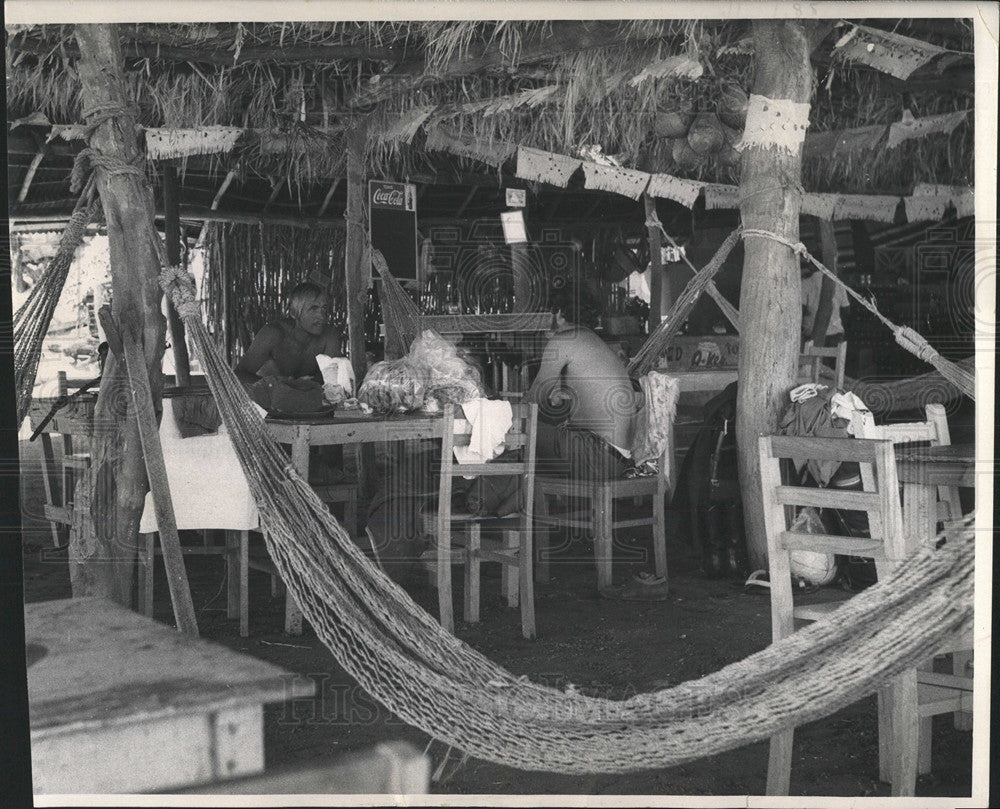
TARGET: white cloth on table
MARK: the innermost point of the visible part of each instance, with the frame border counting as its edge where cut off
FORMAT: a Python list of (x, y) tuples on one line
[(337, 371), (207, 484), (489, 421)]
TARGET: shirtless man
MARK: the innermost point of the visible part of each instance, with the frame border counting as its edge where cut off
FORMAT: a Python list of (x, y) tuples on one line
[(287, 349), (586, 403)]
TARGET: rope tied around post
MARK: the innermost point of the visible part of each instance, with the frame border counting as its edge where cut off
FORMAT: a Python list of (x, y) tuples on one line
[(179, 286)]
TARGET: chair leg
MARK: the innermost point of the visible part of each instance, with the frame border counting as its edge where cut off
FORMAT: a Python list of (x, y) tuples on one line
[(905, 730), (509, 579), (924, 745), (472, 570), (602, 535), (444, 578), (244, 568), (351, 512), (885, 734), (526, 580), (542, 541), (293, 615), (147, 569), (660, 533), (232, 576), (779, 763), (960, 665)]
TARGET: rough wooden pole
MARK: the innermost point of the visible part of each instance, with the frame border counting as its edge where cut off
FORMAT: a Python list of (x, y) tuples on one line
[(824, 310), (356, 270), (172, 235), (655, 264), (770, 294), (105, 565)]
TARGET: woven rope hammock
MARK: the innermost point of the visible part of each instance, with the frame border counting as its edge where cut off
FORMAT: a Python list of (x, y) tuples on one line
[(432, 680), (31, 321)]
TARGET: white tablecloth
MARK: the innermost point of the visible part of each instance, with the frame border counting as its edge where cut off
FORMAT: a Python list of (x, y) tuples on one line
[(207, 484)]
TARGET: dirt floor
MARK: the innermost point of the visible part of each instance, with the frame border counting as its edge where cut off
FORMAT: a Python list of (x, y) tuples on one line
[(607, 648)]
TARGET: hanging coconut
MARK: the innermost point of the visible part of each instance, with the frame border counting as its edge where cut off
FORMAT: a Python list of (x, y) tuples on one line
[(727, 155), (673, 124), (705, 135), (684, 156), (732, 108)]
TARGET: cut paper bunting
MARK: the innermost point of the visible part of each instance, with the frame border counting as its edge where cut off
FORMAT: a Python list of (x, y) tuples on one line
[(926, 207), (868, 208), (965, 203), (919, 127), (493, 153), (545, 167), (666, 186), (929, 202), (627, 182), (821, 205), (774, 123), (721, 196), (163, 143), (889, 53)]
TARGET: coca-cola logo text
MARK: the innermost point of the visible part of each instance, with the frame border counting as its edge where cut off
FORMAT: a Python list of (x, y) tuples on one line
[(385, 196)]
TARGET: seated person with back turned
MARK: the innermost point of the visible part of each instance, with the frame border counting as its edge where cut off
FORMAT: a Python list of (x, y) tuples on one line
[(281, 362), (586, 403)]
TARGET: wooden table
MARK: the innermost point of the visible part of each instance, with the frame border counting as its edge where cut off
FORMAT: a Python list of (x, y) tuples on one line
[(119, 703), (921, 471), (340, 428)]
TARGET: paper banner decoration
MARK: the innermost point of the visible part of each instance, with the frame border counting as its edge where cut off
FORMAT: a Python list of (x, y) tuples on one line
[(677, 67), (911, 127), (666, 186), (821, 205), (494, 153), (889, 53), (929, 202), (774, 123), (163, 143), (545, 167), (721, 196), (867, 208), (406, 125), (627, 182)]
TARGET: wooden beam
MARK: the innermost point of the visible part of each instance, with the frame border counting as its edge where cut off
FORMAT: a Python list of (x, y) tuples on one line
[(565, 37), (172, 237), (222, 188), (465, 204), (329, 196), (275, 189), (195, 214), (30, 175), (655, 264), (214, 55)]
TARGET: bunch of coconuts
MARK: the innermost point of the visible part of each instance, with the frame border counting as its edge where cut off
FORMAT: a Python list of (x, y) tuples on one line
[(695, 137)]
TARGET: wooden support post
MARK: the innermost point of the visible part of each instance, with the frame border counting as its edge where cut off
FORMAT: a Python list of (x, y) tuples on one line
[(329, 196), (172, 236), (105, 563), (655, 263), (149, 435), (771, 292), (824, 311), (466, 201), (222, 189)]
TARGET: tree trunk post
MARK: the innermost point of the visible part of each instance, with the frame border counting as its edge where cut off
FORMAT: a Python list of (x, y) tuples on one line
[(770, 295), (105, 564), (172, 236), (357, 270)]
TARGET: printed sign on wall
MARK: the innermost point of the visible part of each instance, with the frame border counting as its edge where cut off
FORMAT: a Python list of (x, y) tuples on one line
[(392, 209)]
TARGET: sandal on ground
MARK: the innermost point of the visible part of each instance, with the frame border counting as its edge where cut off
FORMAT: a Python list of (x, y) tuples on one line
[(642, 587), (758, 582)]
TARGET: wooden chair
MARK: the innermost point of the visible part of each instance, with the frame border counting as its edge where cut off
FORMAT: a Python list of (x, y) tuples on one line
[(903, 704), (933, 432), (514, 550), (598, 513), (811, 362)]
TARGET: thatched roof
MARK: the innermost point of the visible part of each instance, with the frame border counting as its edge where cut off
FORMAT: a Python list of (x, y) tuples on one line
[(551, 85)]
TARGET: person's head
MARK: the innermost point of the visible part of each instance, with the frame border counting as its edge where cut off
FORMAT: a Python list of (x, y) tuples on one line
[(570, 304), (307, 306)]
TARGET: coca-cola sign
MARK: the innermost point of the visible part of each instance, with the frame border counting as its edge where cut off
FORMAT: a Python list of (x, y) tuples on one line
[(396, 196)]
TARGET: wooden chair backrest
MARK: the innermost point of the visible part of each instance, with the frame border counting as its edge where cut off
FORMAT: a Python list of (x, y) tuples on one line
[(813, 356)]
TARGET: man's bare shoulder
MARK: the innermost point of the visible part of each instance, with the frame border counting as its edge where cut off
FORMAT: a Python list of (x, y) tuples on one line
[(271, 333)]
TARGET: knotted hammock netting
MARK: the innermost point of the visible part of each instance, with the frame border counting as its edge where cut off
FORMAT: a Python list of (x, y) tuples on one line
[(433, 681)]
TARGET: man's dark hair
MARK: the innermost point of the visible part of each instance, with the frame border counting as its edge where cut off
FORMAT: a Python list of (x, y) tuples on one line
[(576, 304)]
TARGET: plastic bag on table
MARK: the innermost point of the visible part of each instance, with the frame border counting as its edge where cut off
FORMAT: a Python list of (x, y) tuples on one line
[(451, 379), (394, 386)]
